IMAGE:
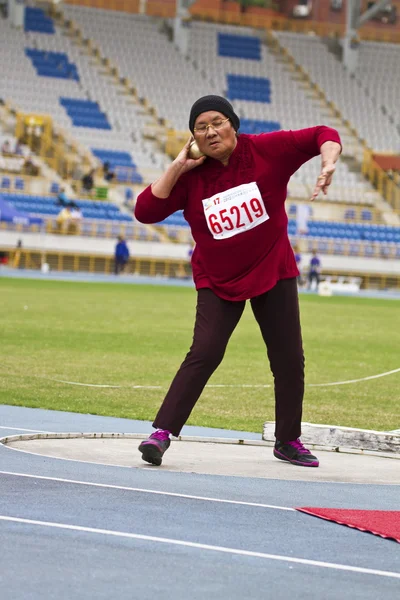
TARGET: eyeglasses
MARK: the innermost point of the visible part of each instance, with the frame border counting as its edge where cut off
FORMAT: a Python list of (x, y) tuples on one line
[(216, 124)]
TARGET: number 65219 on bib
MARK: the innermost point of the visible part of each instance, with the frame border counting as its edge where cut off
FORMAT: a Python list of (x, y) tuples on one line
[(234, 211)]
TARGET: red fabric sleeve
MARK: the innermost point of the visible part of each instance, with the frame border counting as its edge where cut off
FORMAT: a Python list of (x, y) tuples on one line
[(310, 140), (295, 147), (151, 209)]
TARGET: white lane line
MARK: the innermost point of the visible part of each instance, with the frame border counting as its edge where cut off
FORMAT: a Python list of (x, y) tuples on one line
[(224, 549), (86, 462), (23, 429), (95, 385), (146, 491), (221, 385), (354, 380), (151, 387)]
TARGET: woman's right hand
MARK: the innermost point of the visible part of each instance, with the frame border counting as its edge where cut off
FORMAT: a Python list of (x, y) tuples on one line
[(163, 186), (186, 163)]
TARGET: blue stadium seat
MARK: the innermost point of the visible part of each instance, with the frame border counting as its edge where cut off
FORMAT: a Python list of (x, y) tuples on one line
[(338, 247), (369, 250), (36, 20), (239, 46), (52, 64), (322, 246), (366, 215), (115, 229), (45, 205), (350, 214), (128, 194), (354, 249), (255, 126), (19, 183), (85, 113), (244, 87)]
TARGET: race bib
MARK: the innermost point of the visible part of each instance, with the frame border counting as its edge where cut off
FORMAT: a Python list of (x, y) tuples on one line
[(234, 211)]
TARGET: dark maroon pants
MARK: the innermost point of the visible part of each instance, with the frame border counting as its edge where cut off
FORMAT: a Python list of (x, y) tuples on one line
[(277, 313)]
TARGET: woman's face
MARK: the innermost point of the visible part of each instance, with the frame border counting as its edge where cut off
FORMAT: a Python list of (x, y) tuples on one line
[(217, 142)]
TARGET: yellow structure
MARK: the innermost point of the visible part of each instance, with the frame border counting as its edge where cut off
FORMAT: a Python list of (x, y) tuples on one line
[(387, 187), (97, 263), (175, 142), (61, 154)]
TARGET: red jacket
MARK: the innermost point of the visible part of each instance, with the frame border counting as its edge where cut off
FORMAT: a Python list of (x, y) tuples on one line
[(252, 261)]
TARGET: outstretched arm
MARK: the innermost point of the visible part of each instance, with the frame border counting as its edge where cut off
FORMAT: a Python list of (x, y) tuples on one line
[(330, 152)]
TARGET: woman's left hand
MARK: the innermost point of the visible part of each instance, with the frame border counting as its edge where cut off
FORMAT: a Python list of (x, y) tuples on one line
[(324, 180)]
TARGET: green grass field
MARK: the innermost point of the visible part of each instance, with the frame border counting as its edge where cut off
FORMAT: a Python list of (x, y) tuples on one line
[(127, 335)]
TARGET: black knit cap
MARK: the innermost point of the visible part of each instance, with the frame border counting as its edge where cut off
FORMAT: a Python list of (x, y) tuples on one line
[(217, 103)]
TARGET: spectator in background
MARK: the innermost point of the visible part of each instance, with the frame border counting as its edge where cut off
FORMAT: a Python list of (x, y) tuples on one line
[(29, 167), (62, 198), (76, 213), (17, 255), (297, 257), (18, 148), (64, 219), (76, 217), (121, 256), (107, 173), (88, 180), (6, 148), (3, 258), (315, 269), (129, 201)]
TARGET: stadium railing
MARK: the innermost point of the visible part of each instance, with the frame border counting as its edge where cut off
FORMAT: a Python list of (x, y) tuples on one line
[(376, 242), (99, 228), (75, 262), (96, 263)]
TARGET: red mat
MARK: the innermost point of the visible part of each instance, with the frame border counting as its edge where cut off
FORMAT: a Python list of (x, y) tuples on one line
[(385, 523)]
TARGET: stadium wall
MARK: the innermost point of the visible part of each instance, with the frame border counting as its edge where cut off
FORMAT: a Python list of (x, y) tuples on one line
[(156, 8), (323, 20), (91, 245), (78, 254)]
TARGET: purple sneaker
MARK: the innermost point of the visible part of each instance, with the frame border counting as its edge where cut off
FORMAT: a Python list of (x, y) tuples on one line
[(295, 453), (154, 447)]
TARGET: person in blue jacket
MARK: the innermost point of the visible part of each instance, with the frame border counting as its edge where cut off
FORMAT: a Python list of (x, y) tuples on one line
[(315, 270), (121, 255)]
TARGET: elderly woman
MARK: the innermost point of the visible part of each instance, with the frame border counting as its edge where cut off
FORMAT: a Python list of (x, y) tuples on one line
[(233, 198)]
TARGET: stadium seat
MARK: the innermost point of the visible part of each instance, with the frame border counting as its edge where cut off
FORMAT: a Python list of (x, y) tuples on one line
[(19, 183), (43, 205), (366, 215), (36, 20), (5, 183), (360, 96), (350, 214)]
